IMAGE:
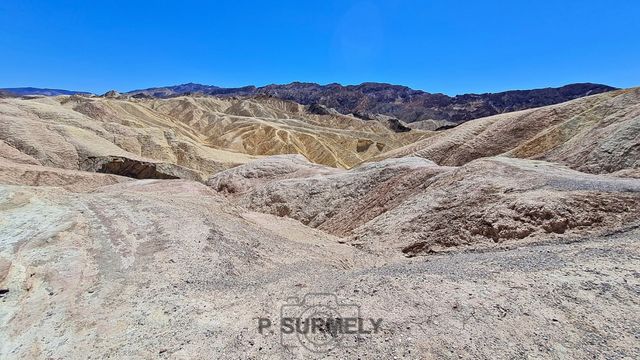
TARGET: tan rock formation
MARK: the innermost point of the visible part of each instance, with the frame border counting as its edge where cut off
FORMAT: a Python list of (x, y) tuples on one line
[(596, 134), (506, 237), (202, 135), (415, 206)]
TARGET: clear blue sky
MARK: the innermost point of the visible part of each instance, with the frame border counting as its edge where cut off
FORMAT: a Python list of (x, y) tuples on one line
[(445, 46)]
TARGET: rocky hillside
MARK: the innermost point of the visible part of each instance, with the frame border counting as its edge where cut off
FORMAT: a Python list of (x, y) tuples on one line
[(398, 101), (596, 134), (122, 268), (369, 99), (164, 228), (185, 137), (416, 207)]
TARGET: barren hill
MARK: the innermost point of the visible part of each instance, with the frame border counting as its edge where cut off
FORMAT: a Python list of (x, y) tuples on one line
[(596, 134), (414, 206), (183, 137), (404, 103), (368, 99), (526, 224)]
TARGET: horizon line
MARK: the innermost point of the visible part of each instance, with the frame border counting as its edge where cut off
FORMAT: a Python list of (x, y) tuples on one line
[(312, 83)]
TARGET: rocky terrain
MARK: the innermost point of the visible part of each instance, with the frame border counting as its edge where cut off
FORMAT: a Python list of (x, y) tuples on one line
[(184, 137), (369, 99), (416, 207), (597, 134), (400, 102), (165, 228)]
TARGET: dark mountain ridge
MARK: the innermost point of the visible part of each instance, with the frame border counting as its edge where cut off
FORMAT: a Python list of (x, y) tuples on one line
[(398, 101), (370, 98)]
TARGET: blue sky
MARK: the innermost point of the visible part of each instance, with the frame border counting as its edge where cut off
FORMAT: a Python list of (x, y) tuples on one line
[(445, 46)]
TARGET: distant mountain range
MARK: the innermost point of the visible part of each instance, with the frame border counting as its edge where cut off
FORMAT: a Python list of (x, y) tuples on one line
[(401, 102), (367, 99), (192, 88), (24, 91)]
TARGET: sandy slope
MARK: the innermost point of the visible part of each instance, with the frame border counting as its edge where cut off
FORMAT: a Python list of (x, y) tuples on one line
[(413, 206), (595, 134), (200, 136), (470, 249), (169, 269)]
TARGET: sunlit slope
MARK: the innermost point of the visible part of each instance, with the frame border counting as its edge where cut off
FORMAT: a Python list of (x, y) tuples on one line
[(596, 134), (195, 137)]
